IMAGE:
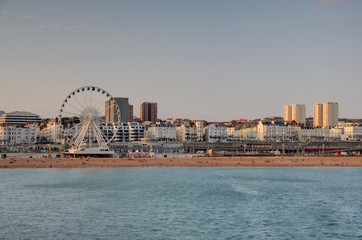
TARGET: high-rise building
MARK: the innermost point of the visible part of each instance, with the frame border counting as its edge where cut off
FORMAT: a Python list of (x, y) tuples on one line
[(330, 114), (148, 111), (298, 113), (318, 115), (287, 113), (111, 113), (130, 112), (295, 112), (325, 114)]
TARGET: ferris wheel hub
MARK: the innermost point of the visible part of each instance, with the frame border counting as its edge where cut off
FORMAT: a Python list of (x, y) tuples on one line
[(90, 113)]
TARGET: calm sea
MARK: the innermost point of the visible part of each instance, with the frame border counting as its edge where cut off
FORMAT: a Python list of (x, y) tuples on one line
[(181, 203)]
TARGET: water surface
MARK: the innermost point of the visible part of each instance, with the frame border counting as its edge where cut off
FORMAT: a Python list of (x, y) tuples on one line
[(181, 203)]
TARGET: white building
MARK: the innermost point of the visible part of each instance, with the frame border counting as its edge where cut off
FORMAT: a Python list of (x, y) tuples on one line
[(270, 131), (18, 128), (246, 134), (127, 132), (50, 132), (16, 134), (161, 131), (314, 134), (200, 133), (231, 134), (352, 133), (336, 134), (215, 133), (186, 133)]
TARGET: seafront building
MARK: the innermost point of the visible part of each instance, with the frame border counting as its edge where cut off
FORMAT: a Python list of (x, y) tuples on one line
[(11, 135), (215, 133), (127, 132), (18, 127), (248, 134), (161, 132), (352, 133), (186, 132), (276, 131), (50, 132), (148, 111), (200, 133), (19, 118)]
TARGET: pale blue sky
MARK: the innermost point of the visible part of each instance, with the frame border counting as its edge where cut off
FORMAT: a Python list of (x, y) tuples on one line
[(213, 60)]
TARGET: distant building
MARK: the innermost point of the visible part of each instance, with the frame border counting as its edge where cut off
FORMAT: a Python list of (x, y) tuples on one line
[(246, 133), (215, 133), (11, 135), (353, 133), (287, 113), (330, 114), (318, 115), (128, 132), (325, 114), (111, 113), (161, 132), (50, 132), (130, 113), (19, 118), (148, 111), (272, 131), (313, 134), (186, 132), (295, 112), (200, 133)]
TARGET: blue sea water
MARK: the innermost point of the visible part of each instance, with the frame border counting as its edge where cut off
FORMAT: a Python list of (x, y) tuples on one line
[(181, 203)]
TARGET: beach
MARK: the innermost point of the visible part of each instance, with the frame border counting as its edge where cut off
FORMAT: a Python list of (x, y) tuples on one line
[(240, 161)]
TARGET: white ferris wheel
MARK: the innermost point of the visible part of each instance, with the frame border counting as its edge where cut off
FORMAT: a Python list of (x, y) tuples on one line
[(83, 113)]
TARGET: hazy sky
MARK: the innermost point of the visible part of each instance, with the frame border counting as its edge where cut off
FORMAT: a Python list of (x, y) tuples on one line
[(198, 59)]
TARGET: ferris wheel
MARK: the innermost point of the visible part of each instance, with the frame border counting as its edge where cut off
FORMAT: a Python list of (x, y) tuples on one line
[(83, 114)]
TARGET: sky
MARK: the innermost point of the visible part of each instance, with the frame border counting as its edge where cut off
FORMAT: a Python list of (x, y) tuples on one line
[(215, 60)]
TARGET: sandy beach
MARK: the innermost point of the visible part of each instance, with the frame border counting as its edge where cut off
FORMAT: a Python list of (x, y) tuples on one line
[(243, 161)]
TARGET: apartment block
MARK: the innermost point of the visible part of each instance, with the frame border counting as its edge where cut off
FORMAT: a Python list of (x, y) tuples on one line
[(318, 115), (326, 114), (148, 111), (111, 112), (295, 112), (330, 114)]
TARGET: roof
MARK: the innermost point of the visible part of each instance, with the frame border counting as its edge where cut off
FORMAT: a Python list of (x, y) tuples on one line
[(22, 113)]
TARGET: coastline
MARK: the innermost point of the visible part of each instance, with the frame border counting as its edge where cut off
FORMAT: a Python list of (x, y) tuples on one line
[(241, 161)]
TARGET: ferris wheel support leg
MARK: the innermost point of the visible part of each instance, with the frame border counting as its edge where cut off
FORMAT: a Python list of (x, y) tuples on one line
[(80, 138), (101, 141)]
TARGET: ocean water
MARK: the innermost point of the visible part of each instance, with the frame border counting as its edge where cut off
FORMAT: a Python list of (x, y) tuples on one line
[(181, 203)]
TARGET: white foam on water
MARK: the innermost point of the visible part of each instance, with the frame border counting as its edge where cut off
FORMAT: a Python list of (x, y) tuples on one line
[(242, 188)]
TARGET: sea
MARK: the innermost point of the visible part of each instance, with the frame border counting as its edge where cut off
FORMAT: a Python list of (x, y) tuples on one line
[(181, 203)]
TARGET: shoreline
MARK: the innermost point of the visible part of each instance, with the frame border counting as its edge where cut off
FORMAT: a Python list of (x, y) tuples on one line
[(243, 161)]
